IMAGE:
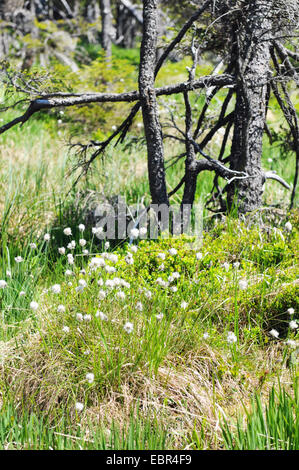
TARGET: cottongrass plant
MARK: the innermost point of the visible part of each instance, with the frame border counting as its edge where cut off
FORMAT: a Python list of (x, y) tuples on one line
[(117, 318)]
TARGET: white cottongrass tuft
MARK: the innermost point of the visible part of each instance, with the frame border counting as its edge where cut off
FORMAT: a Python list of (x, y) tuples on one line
[(67, 231), (274, 333), (112, 257), (110, 283), (129, 259), (97, 230), (205, 335), (231, 337), (19, 259), (61, 309), (81, 227), (79, 317), (128, 327), (226, 266), (161, 282), (82, 285), (90, 377), (184, 305), (288, 226), (198, 256), (121, 295), (134, 233), (65, 329), (47, 237), (3, 284), (148, 294), (139, 306), (70, 258), (97, 263), (61, 250), (172, 251), (33, 305), (102, 294), (56, 289), (82, 242), (293, 325), (110, 269), (33, 246), (101, 315), (79, 406), (291, 311), (243, 284), (159, 316)]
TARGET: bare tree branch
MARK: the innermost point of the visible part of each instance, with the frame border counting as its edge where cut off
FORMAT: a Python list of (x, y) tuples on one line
[(133, 10), (291, 71), (292, 120), (47, 102), (271, 175), (181, 34)]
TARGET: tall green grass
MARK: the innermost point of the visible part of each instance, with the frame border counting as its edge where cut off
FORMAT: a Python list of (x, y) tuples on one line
[(274, 426), (23, 430)]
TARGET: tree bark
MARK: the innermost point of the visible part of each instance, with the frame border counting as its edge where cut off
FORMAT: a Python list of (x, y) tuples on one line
[(152, 127), (253, 52), (191, 172), (106, 17)]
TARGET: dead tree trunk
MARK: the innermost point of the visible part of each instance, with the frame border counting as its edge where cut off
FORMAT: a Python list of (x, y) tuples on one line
[(128, 23), (152, 127), (253, 56), (106, 17)]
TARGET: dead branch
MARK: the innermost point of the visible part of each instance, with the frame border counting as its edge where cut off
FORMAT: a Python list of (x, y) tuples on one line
[(294, 55), (218, 125), (128, 121), (181, 34), (292, 120), (133, 10), (291, 71), (190, 162), (271, 175), (47, 102)]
